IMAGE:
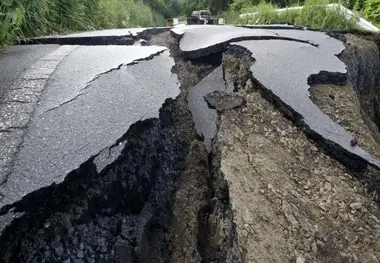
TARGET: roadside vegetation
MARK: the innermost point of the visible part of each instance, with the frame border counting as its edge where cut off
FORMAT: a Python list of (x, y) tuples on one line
[(314, 14), (25, 18)]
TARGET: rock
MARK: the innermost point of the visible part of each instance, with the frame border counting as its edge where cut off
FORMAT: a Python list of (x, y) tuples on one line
[(71, 230), (80, 254), (221, 100), (58, 251), (47, 254), (300, 259), (354, 142), (67, 261), (356, 206), (123, 251), (320, 244)]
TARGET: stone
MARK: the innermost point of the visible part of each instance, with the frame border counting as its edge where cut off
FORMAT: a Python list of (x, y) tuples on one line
[(58, 251), (80, 254), (221, 100), (356, 206)]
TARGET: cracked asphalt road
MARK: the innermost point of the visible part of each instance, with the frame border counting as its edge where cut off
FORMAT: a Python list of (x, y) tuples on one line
[(91, 99), (75, 109), (91, 95)]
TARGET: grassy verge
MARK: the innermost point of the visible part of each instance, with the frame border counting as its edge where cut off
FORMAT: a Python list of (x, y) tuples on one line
[(314, 14)]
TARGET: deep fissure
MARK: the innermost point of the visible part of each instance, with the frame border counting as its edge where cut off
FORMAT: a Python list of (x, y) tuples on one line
[(121, 214)]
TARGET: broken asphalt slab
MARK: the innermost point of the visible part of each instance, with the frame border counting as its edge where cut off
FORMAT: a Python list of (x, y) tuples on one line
[(201, 40), (289, 81), (316, 62), (204, 117), (70, 126), (123, 36)]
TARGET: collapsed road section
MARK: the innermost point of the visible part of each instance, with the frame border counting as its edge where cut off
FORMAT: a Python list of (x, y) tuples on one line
[(252, 147)]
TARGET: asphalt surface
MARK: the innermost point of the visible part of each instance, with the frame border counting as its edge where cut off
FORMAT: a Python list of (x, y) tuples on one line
[(92, 99), (16, 60), (321, 39), (84, 65), (201, 40), (198, 38), (204, 117)]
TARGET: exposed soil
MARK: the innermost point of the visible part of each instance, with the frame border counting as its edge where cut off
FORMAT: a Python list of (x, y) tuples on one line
[(341, 104), (291, 202)]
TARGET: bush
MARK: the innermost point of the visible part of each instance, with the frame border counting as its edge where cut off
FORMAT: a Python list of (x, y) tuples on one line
[(315, 14), (372, 11), (11, 18)]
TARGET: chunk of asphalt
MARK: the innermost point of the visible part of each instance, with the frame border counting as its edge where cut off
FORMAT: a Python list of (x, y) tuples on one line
[(204, 117), (221, 100)]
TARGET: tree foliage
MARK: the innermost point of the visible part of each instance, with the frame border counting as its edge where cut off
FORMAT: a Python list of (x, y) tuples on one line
[(11, 18), (215, 6)]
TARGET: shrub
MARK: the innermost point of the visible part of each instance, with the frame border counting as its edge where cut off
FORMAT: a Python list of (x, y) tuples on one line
[(11, 18), (315, 14), (372, 10)]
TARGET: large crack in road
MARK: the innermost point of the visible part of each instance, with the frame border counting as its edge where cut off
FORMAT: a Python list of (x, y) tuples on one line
[(165, 186)]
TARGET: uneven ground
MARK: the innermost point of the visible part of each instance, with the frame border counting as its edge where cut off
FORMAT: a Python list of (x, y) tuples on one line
[(266, 192)]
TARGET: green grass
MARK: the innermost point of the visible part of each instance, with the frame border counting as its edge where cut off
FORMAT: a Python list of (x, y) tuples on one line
[(314, 14)]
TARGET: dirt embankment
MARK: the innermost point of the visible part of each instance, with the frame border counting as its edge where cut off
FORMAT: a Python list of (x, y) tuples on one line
[(290, 201)]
